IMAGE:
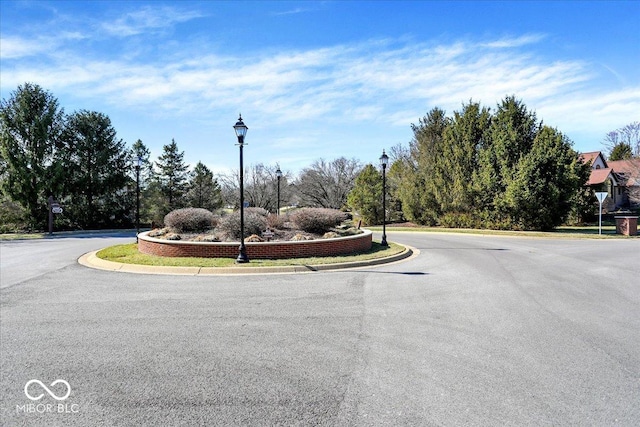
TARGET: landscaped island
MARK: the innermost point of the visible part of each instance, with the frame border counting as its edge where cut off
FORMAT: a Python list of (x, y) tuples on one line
[(306, 232)]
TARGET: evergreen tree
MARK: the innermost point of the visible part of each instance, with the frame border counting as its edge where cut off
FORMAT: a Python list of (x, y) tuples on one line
[(30, 126), (204, 191), (621, 151), (95, 171), (453, 173), (140, 150), (510, 136), (366, 196), (414, 175), (172, 176), (546, 179)]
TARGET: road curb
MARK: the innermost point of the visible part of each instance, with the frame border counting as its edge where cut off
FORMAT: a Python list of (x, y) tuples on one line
[(91, 260)]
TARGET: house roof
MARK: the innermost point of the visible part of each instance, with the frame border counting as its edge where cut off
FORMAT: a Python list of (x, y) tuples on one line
[(627, 170), (598, 176), (591, 156)]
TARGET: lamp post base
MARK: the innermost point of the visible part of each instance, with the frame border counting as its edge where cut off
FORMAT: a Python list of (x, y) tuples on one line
[(242, 256), (383, 242)]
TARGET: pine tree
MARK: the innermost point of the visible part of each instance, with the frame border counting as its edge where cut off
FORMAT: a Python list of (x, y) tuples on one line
[(95, 171), (172, 176), (204, 191), (30, 126)]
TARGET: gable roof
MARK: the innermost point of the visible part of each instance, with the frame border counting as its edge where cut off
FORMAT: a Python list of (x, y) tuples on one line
[(591, 157), (627, 170), (598, 176)]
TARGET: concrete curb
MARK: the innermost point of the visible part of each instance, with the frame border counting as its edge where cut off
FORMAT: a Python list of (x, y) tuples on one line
[(92, 261)]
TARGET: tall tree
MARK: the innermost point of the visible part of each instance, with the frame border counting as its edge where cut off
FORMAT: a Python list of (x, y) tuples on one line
[(510, 136), (95, 170), (204, 191), (545, 182), (327, 184), (453, 172), (30, 126), (413, 174), (172, 176), (147, 179)]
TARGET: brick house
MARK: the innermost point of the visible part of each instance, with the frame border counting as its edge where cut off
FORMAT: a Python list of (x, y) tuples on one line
[(619, 178)]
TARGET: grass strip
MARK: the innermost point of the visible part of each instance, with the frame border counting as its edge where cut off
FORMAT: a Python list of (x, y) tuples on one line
[(128, 254)]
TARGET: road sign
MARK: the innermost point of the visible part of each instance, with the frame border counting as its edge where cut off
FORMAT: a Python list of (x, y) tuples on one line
[(56, 210), (601, 196)]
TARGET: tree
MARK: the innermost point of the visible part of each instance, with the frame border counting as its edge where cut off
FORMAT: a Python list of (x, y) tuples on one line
[(621, 151), (172, 176), (628, 135), (30, 126), (453, 173), (546, 179), (327, 184), (147, 177), (511, 135), (204, 191), (366, 196), (96, 165), (260, 187), (413, 174)]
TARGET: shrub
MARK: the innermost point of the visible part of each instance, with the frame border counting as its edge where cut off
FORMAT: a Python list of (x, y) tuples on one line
[(254, 223), (276, 221), (190, 219), (317, 220), (258, 211)]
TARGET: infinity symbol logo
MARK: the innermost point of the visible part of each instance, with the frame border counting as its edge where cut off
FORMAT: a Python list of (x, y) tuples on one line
[(52, 394)]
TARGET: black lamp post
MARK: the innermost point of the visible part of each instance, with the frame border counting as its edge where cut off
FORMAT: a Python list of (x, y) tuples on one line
[(241, 131), (138, 165), (279, 175), (384, 161)]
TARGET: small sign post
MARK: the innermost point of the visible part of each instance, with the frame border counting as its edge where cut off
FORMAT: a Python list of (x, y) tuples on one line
[(600, 196), (54, 208)]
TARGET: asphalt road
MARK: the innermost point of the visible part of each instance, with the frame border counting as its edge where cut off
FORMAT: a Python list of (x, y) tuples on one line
[(473, 331)]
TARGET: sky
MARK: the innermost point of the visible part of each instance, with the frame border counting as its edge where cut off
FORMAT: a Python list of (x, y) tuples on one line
[(322, 79)]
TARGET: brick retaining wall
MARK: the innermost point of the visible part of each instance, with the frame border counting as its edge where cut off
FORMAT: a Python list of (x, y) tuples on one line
[(256, 250)]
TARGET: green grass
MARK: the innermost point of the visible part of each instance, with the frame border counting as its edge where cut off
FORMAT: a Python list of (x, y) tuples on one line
[(129, 254), (21, 236), (585, 232)]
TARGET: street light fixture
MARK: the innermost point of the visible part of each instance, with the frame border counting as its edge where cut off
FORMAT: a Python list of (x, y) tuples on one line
[(384, 161), (138, 166), (241, 131), (279, 175)]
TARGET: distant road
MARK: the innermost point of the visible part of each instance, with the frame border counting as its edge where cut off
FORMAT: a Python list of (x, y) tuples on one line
[(473, 331), (24, 259)]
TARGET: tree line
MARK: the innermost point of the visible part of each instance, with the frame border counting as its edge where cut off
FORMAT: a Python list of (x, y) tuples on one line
[(79, 161), (477, 168)]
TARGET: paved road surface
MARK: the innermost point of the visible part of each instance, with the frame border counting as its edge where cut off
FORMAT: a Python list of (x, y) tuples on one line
[(474, 331)]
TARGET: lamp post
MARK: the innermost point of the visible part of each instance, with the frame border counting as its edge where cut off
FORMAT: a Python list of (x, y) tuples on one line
[(279, 175), (241, 131), (138, 165), (384, 161)]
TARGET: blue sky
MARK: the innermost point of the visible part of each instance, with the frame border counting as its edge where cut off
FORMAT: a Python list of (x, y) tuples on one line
[(322, 79)]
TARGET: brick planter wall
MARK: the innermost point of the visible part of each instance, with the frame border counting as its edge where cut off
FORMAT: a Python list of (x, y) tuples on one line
[(256, 250)]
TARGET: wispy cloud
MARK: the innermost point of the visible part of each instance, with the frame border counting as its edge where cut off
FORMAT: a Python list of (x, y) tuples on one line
[(364, 83), (148, 18), (370, 84)]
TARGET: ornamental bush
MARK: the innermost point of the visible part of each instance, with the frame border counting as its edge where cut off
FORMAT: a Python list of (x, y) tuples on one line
[(190, 220), (254, 223), (317, 220)]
